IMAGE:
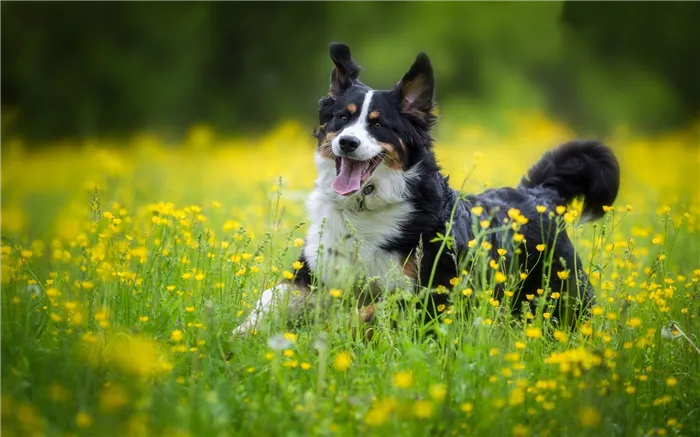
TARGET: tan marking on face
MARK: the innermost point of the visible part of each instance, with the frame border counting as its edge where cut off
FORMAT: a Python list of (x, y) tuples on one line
[(392, 158), (352, 108), (325, 147), (374, 115)]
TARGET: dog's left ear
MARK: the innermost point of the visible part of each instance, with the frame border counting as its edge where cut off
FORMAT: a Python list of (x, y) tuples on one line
[(345, 71), (417, 87)]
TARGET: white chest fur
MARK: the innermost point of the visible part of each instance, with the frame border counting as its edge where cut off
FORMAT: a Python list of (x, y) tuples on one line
[(346, 234)]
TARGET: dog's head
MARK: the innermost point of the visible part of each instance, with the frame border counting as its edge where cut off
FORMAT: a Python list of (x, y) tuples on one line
[(368, 134)]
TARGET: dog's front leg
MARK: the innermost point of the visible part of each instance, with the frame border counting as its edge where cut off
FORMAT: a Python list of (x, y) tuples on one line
[(293, 293)]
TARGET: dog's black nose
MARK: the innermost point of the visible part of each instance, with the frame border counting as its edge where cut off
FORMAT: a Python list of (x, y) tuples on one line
[(348, 144)]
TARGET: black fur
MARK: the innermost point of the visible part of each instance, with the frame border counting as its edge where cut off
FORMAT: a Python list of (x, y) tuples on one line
[(586, 169)]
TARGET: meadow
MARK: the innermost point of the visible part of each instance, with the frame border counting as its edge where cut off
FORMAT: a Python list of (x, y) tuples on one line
[(125, 268)]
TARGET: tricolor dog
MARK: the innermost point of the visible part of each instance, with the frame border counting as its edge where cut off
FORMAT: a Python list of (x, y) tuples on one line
[(380, 200)]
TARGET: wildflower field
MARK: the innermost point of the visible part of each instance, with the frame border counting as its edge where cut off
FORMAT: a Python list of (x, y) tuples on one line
[(125, 267)]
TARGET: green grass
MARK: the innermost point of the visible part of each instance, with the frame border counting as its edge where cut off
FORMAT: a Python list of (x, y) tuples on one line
[(120, 324)]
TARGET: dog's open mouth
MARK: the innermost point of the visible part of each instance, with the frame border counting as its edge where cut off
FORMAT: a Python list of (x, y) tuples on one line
[(350, 174)]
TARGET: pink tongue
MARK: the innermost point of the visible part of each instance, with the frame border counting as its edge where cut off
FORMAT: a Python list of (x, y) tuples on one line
[(350, 176)]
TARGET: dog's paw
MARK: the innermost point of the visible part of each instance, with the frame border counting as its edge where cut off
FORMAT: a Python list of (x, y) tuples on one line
[(244, 330)]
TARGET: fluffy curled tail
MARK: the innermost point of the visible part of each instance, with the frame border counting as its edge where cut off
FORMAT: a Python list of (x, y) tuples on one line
[(575, 169)]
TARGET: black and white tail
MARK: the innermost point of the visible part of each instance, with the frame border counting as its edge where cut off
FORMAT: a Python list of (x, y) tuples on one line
[(576, 169)]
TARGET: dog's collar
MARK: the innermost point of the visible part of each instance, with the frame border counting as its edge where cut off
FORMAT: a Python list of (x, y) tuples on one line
[(366, 191)]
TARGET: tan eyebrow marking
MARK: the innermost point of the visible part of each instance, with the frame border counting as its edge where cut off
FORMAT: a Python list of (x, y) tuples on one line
[(352, 108), (374, 115)]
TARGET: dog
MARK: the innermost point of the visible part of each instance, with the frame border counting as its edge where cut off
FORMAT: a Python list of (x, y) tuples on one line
[(380, 201)]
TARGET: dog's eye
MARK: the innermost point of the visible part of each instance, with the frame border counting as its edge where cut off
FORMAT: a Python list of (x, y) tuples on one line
[(343, 118), (377, 125)]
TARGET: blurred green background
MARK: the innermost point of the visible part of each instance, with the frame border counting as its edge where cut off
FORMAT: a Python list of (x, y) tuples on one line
[(76, 70)]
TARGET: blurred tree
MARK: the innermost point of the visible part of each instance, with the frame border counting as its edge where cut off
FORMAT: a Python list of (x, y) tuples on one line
[(659, 38), (86, 69)]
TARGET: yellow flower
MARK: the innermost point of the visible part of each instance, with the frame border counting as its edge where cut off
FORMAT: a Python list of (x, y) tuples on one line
[(486, 245), (520, 431), (287, 274), (176, 335), (560, 209), (298, 242), (199, 276), (634, 322), (305, 365), (438, 392), (467, 407), (471, 243), (499, 278), (541, 209), (556, 295), (518, 238), (189, 309), (477, 210), (564, 274), (335, 292), (342, 361), (422, 409), (112, 398), (589, 417), (57, 393), (467, 292), (502, 252), (546, 316), (671, 381), (454, 281), (290, 336), (533, 332), (297, 265), (485, 224), (561, 336), (83, 420), (540, 247), (403, 379)]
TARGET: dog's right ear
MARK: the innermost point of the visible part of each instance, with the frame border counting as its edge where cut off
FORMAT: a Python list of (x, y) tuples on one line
[(345, 72)]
